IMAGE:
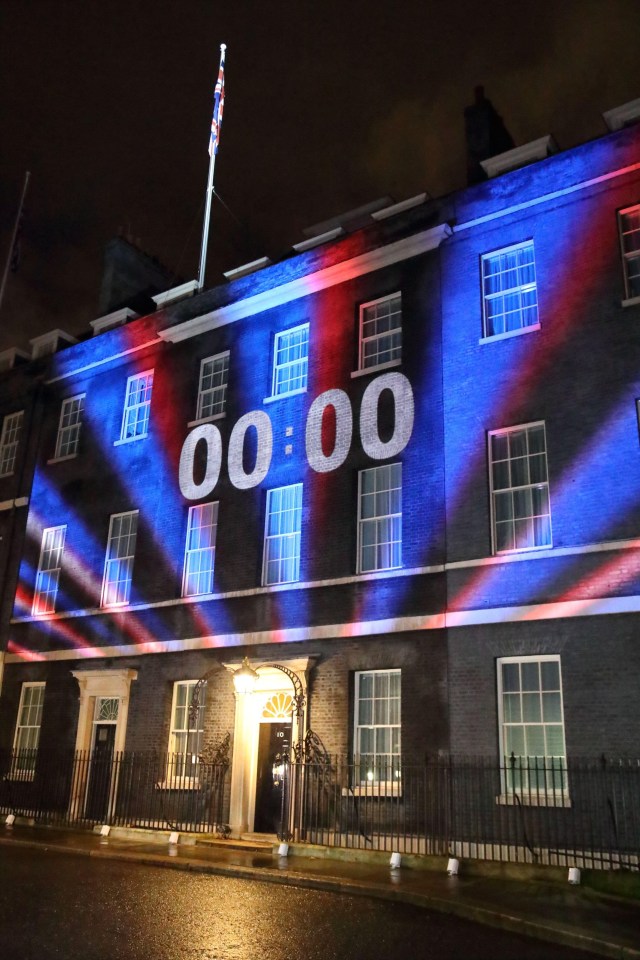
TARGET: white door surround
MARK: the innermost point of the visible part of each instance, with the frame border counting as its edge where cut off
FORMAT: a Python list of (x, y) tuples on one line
[(249, 716), (102, 683), (95, 684)]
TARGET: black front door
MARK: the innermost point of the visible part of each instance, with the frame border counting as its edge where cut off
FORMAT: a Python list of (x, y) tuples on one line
[(275, 740), (100, 772)]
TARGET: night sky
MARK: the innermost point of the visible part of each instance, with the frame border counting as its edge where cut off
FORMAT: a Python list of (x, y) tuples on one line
[(329, 105)]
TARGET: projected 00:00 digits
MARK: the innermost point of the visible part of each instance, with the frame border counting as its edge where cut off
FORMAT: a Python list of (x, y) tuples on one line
[(318, 460)]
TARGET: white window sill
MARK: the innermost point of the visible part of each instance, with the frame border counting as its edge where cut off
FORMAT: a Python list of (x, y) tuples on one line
[(364, 573), (281, 396), (68, 456), (523, 550), (535, 799), (179, 783), (114, 606), (631, 302), (214, 416), (139, 436), (374, 790), (510, 333), (280, 583), (363, 371), (9, 474)]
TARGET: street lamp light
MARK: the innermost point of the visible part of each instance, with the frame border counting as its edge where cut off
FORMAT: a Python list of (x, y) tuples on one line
[(244, 679)]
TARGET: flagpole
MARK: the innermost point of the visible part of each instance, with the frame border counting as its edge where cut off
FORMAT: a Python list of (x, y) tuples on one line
[(207, 218), (13, 237), (213, 149)]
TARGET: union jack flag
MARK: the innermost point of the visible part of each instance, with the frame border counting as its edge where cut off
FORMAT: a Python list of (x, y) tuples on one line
[(218, 106)]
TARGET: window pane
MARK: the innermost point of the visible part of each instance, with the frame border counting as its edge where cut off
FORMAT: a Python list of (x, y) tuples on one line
[(509, 290), (365, 711), (199, 560), (135, 418), (9, 442), (511, 706), (551, 707), (532, 724), (282, 538), (555, 741), (49, 568), (520, 491), (510, 676), (630, 241), (535, 741), (380, 518), (377, 730), (501, 475), (514, 742), (27, 732), (505, 537), (119, 558), (367, 740), (381, 332), (550, 674), (530, 673), (290, 362), (212, 392), (531, 712)]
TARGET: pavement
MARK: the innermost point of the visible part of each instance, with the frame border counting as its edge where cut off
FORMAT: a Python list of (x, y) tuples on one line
[(537, 904)]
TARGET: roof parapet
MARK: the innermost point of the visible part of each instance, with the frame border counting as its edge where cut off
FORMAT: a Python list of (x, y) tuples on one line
[(305, 284), (110, 320), (247, 268), (8, 358), (401, 207), (622, 116), (519, 156), (318, 239), (49, 343), (181, 292)]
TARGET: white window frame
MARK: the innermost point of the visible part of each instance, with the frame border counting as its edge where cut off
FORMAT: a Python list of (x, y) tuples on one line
[(199, 561), (631, 256), (554, 790), (369, 783), (279, 387), (278, 542), (49, 567), (68, 438), (141, 409), (520, 288), (365, 339), (517, 489), (26, 769), (382, 523), (180, 762), (114, 562), (216, 394), (10, 441)]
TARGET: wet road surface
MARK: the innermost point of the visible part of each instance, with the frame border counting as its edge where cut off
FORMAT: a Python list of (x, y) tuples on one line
[(67, 907)]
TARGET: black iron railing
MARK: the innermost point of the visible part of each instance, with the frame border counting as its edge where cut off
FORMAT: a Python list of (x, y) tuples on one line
[(584, 812), (122, 789)]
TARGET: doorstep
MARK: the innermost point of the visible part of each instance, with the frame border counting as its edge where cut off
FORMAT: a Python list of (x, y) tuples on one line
[(249, 842)]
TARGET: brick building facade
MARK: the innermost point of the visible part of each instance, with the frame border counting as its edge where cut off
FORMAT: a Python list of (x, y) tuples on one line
[(402, 463)]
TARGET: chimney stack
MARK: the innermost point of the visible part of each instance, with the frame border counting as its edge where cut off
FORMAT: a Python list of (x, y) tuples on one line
[(486, 135)]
